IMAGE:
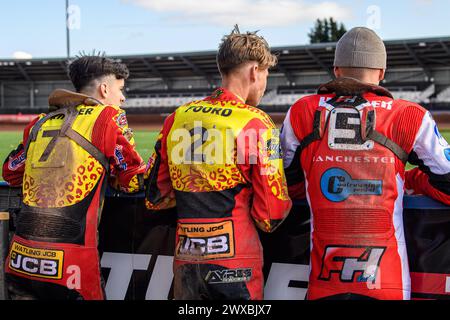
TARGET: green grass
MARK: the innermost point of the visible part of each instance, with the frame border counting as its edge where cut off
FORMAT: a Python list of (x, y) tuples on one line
[(9, 140), (145, 141)]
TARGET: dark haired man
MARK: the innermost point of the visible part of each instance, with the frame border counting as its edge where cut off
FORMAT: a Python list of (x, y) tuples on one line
[(99, 77), (63, 164)]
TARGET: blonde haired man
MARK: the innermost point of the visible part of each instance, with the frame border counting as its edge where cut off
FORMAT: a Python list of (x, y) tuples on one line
[(228, 178)]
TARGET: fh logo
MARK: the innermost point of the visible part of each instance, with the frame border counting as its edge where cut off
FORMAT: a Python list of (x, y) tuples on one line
[(352, 264)]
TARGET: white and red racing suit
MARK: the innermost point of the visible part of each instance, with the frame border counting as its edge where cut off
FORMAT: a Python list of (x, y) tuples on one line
[(345, 149), (63, 165), (229, 177)]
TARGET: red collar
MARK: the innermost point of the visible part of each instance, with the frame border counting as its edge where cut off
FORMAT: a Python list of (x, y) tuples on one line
[(222, 94)]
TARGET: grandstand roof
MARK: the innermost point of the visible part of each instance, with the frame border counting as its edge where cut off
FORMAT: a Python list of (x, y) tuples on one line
[(427, 54)]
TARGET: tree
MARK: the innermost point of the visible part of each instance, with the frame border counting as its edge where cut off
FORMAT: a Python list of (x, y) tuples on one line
[(342, 31), (326, 30), (315, 33)]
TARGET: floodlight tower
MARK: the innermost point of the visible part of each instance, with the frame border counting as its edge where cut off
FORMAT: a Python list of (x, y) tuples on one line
[(67, 30)]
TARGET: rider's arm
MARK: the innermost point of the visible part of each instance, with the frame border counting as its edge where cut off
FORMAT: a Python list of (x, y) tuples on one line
[(271, 203), (431, 153), (159, 192), (290, 145), (127, 165)]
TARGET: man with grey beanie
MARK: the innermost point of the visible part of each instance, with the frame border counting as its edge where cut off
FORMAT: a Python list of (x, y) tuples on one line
[(345, 149)]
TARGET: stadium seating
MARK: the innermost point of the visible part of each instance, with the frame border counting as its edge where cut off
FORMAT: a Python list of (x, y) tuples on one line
[(168, 80), (415, 95), (158, 102), (443, 96), (284, 99), (277, 98)]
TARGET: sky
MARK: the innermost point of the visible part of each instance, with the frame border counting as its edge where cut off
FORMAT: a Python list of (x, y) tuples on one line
[(37, 28)]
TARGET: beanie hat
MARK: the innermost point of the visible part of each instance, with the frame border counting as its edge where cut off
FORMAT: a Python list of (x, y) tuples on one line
[(360, 48)]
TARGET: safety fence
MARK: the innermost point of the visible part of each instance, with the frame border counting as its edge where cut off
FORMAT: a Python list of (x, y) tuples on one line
[(137, 246)]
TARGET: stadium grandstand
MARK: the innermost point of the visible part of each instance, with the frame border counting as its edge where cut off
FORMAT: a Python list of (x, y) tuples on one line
[(418, 70)]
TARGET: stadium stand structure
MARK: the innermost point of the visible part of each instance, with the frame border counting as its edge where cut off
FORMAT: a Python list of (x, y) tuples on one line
[(418, 70), (444, 95)]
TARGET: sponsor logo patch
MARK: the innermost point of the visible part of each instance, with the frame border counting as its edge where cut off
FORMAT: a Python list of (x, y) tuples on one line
[(16, 162), (351, 263), (337, 185), (122, 120), (120, 159), (441, 139), (447, 154), (39, 263), (274, 148), (229, 276), (205, 241)]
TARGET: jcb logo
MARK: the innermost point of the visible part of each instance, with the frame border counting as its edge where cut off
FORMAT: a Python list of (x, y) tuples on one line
[(352, 263), (35, 262), (203, 241), (44, 267), (204, 248)]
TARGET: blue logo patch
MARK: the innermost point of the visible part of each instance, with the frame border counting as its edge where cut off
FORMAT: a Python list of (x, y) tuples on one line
[(441, 139), (120, 160), (447, 154), (17, 162), (337, 185), (436, 132)]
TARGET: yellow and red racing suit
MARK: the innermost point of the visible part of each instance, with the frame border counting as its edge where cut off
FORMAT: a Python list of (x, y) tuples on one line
[(346, 148), (219, 161), (63, 165)]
